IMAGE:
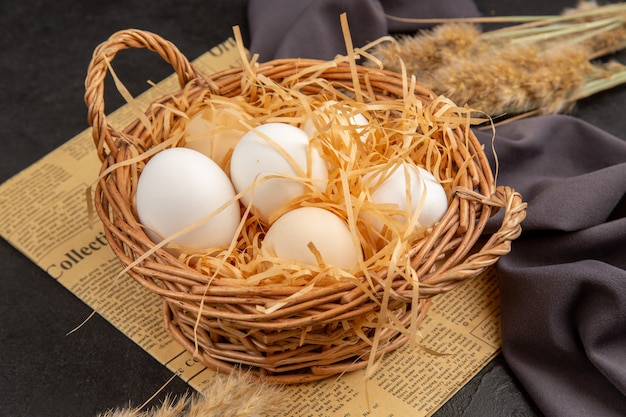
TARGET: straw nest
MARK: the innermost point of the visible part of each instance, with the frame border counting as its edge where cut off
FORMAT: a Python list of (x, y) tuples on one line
[(289, 322)]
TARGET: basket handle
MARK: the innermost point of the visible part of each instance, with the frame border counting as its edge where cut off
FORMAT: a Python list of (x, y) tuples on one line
[(498, 244), (102, 131)]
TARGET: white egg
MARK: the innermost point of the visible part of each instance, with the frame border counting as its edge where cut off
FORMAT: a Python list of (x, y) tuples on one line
[(330, 111), (179, 187), (291, 233), (422, 185), (215, 132), (255, 157)]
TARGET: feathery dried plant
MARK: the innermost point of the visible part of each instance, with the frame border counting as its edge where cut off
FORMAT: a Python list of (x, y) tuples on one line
[(541, 66), (237, 394)]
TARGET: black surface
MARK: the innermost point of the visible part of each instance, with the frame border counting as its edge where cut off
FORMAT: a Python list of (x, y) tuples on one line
[(45, 49)]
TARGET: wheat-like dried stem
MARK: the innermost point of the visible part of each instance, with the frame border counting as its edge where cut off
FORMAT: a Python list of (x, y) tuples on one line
[(541, 66), (234, 395)]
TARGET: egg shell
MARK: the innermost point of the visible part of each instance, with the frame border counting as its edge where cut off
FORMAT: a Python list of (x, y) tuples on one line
[(327, 111), (436, 202), (422, 184), (290, 234), (179, 187), (215, 132), (255, 157)]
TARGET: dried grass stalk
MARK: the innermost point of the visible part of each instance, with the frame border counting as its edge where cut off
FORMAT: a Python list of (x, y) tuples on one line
[(541, 66), (237, 394)]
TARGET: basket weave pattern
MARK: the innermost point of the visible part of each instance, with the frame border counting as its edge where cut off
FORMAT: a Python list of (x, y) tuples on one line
[(307, 339)]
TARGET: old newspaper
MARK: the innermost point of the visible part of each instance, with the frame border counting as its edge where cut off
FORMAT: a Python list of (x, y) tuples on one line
[(45, 216)]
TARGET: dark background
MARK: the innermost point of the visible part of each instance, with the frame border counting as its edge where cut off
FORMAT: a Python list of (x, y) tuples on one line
[(45, 48)]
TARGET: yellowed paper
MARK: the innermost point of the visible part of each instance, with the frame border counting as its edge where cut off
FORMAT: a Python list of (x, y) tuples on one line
[(45, 217)]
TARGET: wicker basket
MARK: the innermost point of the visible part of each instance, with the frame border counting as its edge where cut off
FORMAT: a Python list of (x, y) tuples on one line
[(307, 339)]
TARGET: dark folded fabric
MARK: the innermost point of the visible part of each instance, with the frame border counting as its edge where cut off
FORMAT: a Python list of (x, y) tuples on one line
[(311, 28), (564, 282), (563, 286)]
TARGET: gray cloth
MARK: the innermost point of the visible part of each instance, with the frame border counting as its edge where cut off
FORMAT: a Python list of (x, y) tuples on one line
[(564, 282), (311, 28), (563, 286)]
